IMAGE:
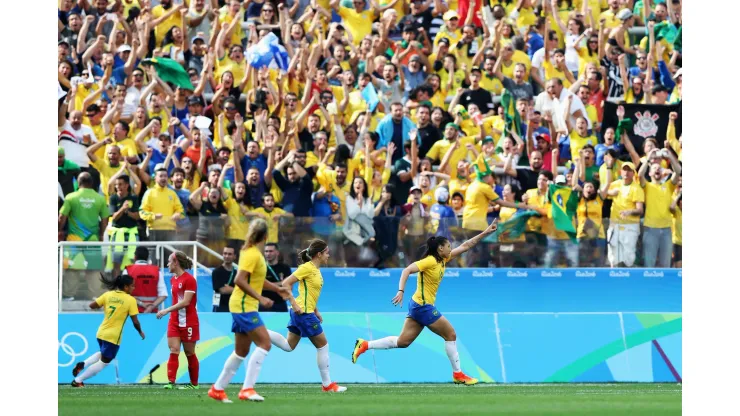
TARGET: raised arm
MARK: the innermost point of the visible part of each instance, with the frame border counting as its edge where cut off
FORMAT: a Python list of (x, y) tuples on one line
[(467, 245)]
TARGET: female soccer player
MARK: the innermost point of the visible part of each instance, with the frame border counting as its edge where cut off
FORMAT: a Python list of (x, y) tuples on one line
[(246, 322), (117, 304), (422, 313), (183, 327), (305, 319)]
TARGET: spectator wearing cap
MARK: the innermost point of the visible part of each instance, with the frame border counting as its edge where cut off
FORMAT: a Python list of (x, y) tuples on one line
[(161, 208), (619, 36), (152, 137), (538, 136), (624, 223), (676, 93), (477, 95), (657, 243), (450, 29), (442, 216), (414, 222)]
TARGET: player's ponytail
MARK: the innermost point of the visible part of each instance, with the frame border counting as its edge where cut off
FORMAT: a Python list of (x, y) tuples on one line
[(183, 260), (118, 283), (432, 247), (256, 233), (314, 248)]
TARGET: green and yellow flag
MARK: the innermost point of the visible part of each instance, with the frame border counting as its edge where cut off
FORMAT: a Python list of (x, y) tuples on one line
[(512, 120), (564, 202), (513, 227), (170, 71)]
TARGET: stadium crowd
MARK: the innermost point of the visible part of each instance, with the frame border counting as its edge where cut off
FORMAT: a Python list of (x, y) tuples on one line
[(389, 121)]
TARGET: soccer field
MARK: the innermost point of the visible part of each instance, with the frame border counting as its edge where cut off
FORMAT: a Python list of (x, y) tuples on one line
[(381, 399)]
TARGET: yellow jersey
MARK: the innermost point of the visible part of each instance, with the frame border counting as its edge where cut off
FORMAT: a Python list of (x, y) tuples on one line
[(677, 226), (627, 199), (590, 210), (272, 222), (117, 306), (238, 222), (158, 200), (440, 148), (161, 29), (477, 198), (428, 279), (658, 198), (106, 172), (359, 24), (552, 72), (534, 224), (328, 178), (577, 143), (309, 286), (251, 261)]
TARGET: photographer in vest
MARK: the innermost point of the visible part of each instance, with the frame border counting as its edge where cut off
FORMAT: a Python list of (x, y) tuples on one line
[(149, 289)]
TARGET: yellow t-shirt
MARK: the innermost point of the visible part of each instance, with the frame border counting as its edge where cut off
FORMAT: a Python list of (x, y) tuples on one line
[(238, 222), (477, 198), (237, 69), (440, 148), (526, 18), (310, 282), (520, 57), (658, 198), (251, 261), (577, 143), (226, 19), (552, 72), (272, 222), (358, 24), (534, 224), (428, 279), (457, 185), (328, 179), (677, 226), (629, 196), (128, 148), (611, 19), (106, 172), (504, 216), (161, 29), (492, 84), (590, 210), (453, 37), (117, 306)]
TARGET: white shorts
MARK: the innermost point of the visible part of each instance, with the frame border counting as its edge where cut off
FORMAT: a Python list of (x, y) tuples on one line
[(622, 239)]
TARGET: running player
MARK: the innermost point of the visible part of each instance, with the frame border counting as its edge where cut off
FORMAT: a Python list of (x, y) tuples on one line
[(183, 327), (422, 313), (246, 322), (305, 319), (117, 304)]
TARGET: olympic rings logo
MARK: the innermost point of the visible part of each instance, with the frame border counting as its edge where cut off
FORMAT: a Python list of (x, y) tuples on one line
[(71, 351)]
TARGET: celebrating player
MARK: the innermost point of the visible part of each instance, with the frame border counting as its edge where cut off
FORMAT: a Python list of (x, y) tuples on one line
[(183, 327), (246, 322), (117, 304), (422, 313), (305, 319)]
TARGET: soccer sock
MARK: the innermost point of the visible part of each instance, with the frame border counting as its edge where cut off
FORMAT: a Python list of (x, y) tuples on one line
[(383, 343), (92, 359), (279, 341), (451, 349), (322, 359), (91, 371), (172, 364), (193, 367), (254, 366), (230, 367)]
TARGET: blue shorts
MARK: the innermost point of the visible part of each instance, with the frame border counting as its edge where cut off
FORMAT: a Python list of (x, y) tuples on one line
[(108, 349), (243, 323), (305, 325), (424, 315)]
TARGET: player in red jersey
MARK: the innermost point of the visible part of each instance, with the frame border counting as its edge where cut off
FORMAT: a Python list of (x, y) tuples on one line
[(183, 327)]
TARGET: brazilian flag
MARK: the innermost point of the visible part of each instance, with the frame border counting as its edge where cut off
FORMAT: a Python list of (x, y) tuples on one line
[(564, 202), (170, 71), (512, 120), (513, 227)]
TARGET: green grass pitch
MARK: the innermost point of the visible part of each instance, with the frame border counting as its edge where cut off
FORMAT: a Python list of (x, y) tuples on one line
[(381, 399)]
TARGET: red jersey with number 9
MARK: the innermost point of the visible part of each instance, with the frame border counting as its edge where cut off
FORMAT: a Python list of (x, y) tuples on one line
[(187, 316)]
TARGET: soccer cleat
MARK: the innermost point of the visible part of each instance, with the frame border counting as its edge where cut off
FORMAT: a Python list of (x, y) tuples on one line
[(78, 367), (169, 386), (461, 378), (189, 386), (360, 348), (76, 384), (219, 395), (251, 395), (333, 388)]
